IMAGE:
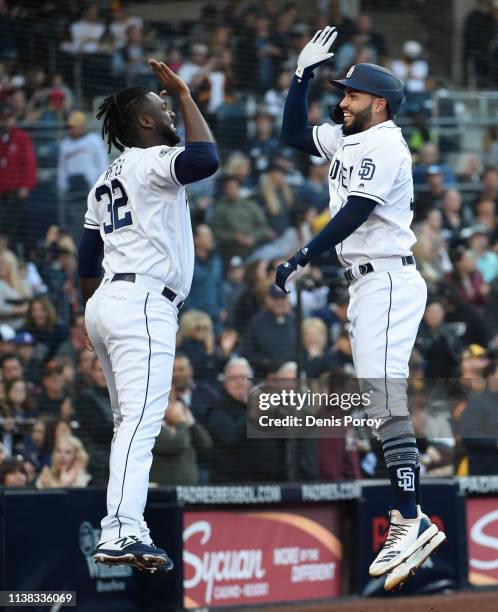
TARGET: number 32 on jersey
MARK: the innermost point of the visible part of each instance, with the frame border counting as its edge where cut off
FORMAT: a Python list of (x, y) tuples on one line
[(116, 198)]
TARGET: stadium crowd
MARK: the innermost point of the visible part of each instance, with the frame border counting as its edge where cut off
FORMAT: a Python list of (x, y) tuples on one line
[(236, 327)]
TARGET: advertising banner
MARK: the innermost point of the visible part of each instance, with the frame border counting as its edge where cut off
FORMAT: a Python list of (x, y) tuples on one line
[(240, 558), (482, 540)]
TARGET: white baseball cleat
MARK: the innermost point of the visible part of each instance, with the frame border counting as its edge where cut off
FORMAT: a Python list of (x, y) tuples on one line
[(402, 572), (404, 538)]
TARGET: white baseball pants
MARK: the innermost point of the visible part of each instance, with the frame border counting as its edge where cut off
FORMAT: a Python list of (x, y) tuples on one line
[(133, 330), (385, 311)]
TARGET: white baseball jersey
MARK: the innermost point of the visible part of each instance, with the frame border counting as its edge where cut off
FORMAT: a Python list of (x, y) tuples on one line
[(143, 216), (375, 164)]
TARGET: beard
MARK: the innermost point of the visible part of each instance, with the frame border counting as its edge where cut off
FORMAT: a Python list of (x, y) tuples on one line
[(169, 135), (359, 123)]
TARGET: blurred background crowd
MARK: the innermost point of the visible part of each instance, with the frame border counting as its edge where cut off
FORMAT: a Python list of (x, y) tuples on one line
[(266, 200)]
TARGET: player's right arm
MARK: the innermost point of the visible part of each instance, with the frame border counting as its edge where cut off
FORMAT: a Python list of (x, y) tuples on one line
[(295, 129), (90, 252), (200, 157)]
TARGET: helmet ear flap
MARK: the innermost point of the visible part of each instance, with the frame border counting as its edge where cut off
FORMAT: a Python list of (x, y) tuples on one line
[(337, 114)]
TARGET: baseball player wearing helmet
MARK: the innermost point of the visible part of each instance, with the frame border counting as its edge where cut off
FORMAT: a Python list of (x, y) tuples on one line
[(371, 202), (138, 217)]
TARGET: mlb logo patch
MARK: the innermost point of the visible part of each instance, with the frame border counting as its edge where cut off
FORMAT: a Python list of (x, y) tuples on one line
[(350, 71)]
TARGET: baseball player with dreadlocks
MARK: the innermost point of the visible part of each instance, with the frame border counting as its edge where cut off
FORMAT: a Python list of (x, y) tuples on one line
[(138, 218), (371, 202)]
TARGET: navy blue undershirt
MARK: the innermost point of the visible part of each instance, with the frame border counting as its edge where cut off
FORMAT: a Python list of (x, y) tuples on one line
[(343, 224), (197, 162), (90, 251), (295, 129)]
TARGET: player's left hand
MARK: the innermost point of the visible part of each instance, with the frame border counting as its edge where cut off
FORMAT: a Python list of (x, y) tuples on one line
[(175, 86), (288, 270), (317, 51)]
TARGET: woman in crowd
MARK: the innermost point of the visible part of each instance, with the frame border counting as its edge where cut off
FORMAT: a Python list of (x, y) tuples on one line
[(42, 324), (39, 444), (318, 357), (467, 279), (197, 341), (13, 293), (68, 467)]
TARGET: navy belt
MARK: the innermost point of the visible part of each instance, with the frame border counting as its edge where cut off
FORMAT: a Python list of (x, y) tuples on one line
[(131, 277), (406, 260)]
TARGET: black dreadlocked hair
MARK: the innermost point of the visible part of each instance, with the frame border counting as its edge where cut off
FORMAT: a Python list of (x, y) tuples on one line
[(120, 112)]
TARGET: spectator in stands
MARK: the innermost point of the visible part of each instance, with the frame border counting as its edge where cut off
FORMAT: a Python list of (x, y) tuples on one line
[(239, 165), (270, 336), (429, 156), (7, 335), (62, 281), (345, 26), (17, 176), (82, 159), (338, 456), (233, 285), (479, 31), (120, 24), (84, 371), (54, 394), (433, 196), (490, 184), (411, 68), (251, 460), (73, 346), (265, 145), (31, 356), (318, 357), (14, 301), (239, 225), (18, 405), (277, 197), (376, 40), (11, 368), (197, 341), (38, 445), (3, 454), (175, 450), (467, 279), (130, 61), (93, 412), (478, 426), (485, 213), (42, 324), (431, 252), (275, 97), (348, 54), (197, 395), (315, 190), (68, 467), (269, 53), (436, 454), (453, 220), (334, 314), (437, 343), (206, 293), (490, 146), (486, 258), (13, 474), (251, 295), (87, 33)]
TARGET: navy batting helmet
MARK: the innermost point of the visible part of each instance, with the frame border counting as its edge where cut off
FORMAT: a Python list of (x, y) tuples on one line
[(375, 80)]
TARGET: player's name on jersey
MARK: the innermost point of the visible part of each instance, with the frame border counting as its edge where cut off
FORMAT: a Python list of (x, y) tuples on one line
[(313, 421)]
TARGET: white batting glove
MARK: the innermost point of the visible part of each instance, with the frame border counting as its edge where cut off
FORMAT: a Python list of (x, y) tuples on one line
[(316, 52)]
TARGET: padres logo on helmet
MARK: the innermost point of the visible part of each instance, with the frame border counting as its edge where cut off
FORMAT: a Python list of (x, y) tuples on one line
[(350, 71)]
